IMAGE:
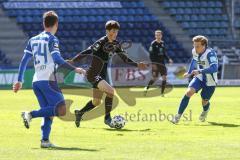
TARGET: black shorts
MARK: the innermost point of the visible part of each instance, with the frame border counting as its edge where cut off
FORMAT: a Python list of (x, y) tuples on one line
[(94, 80), (159, 68)]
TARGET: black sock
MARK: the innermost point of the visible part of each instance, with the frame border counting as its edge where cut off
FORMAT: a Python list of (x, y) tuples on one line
[(89, 106), (108, 106), (163, 86), (150, 83)]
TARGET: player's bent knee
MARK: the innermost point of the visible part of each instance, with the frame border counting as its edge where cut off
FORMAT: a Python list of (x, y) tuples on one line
[(61, 110), (190, 92), (96, 102), (204, 102), (110, 92)]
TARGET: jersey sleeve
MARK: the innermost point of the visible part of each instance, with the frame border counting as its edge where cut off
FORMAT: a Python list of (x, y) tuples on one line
[(212, 58), (96, 47), (151, 52), (165, 53), (53, 45), (82, 55), (28, 48), (192, 66), (24, 62)]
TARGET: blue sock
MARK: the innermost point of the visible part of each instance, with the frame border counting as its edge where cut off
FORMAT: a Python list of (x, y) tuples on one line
[(183, 104), (206, 107), (46, 128), (44, 112)]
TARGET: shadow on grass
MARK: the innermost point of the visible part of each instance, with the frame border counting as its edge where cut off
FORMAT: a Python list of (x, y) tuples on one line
[(69, 149), (216, 124), (128, 130), (223, 124)]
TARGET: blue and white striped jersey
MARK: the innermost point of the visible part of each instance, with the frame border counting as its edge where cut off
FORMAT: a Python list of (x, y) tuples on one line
[(41, 47), (205, 60)]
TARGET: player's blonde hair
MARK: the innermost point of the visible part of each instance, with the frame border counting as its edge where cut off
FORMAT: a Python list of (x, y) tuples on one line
[(202, 39)]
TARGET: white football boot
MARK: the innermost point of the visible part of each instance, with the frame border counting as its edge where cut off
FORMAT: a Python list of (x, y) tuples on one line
[(176, 119), (145, 91), (203, 115), (47, 144), (26, 116)]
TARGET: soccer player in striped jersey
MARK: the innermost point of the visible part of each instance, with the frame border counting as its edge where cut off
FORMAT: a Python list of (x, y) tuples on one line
[(44, 48), (205, 76)]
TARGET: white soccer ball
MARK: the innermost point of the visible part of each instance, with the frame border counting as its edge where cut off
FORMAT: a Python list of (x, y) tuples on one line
[(118, 122)]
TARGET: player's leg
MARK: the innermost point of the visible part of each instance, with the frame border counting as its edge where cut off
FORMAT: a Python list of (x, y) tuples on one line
[(155, 73), (47, 96), (54, 97), (109, 90), (163, 71), (97, 96), (46, 130), (42, 102), (206, 95), (56, 104), (46, 121), (194, 86), (164, 82)]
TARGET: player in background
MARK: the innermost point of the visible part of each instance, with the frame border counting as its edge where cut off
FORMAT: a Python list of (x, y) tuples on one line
[(44, 48), (97, 72), (205, 76), (158, 56)]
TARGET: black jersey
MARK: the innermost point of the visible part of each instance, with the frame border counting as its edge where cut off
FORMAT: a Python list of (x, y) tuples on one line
[(102, 50), (158, 52)]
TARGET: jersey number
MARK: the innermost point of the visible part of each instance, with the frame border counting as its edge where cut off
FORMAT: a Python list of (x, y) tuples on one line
[(39, 49)]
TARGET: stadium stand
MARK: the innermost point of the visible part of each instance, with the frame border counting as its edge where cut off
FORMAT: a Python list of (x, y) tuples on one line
[(209, 18), (237, 18), (201, 17), (4, 60), (84, 21)]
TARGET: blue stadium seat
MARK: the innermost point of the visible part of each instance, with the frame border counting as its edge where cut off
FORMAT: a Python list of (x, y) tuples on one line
[(179, 18), (204, 4), (189, 4), (137, 23)]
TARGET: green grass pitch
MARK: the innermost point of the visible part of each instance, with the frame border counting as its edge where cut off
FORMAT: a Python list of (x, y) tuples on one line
[(142, 138)]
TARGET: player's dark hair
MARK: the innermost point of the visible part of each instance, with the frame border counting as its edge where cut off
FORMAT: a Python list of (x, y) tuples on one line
[(112, 25), (202, 39), (50, 18)]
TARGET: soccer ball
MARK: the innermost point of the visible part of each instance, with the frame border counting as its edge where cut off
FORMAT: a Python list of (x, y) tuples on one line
[(118, 122)]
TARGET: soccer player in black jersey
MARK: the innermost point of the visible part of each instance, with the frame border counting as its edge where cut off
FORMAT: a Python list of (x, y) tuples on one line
[(102, 50), (158, 56)]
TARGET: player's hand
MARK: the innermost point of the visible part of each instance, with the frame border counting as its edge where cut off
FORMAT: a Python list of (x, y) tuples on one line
[(195, 72), (186, 75), (80, 71), (170, 61), (142, 66), (70, 61), (17, 86)]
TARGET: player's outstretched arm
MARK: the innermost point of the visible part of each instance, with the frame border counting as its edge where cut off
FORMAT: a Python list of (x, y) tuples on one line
[(124, 57), (81, 55), (62, 63), (22, 67)]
